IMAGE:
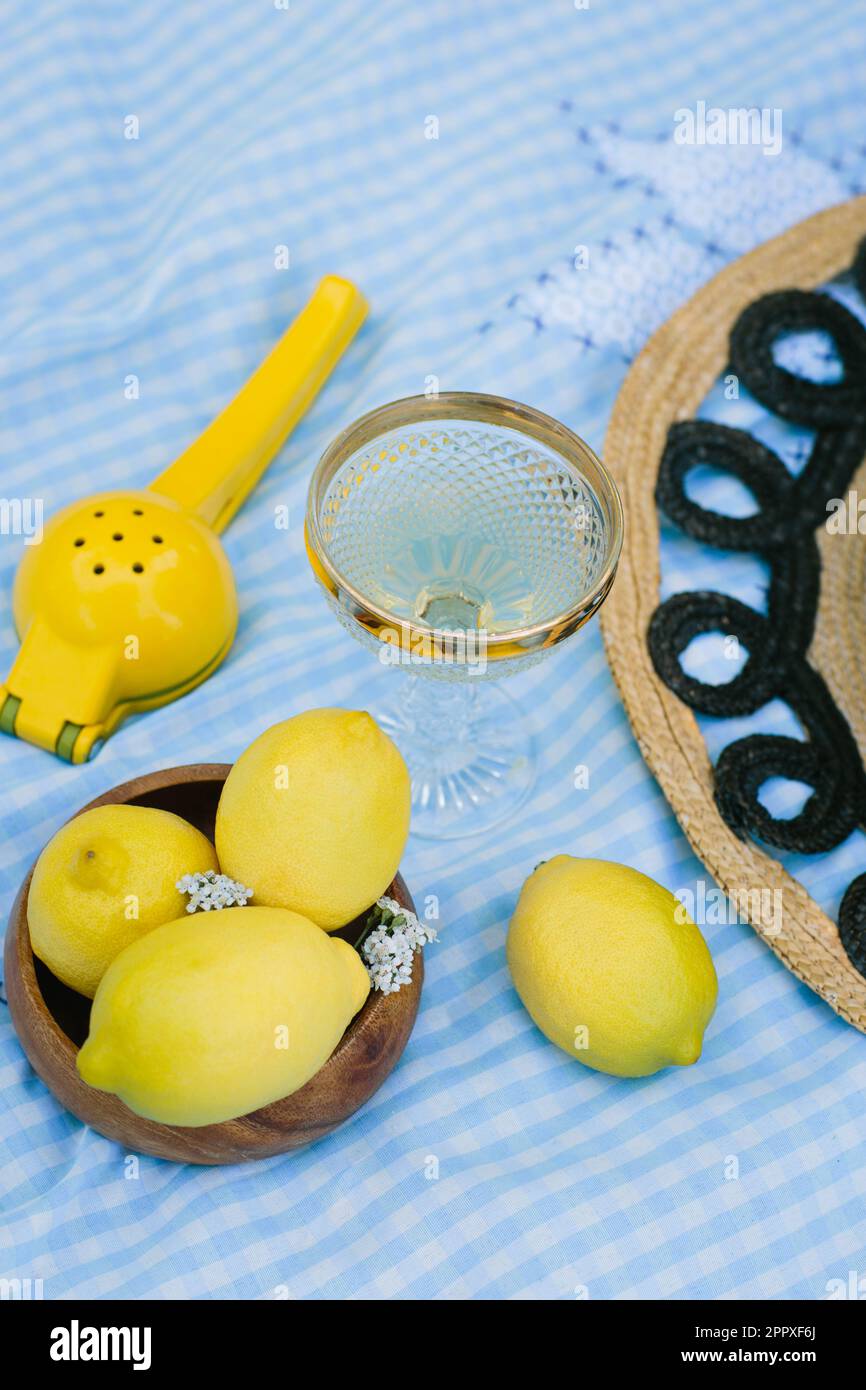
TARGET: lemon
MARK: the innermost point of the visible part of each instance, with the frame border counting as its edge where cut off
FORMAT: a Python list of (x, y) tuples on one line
[(314, 815), (220, 1013), (610, 966), (106, 878)]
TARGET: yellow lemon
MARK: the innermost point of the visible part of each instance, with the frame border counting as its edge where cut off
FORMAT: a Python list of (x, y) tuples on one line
[(105, 879), (611, 967), (220, 1013), (314, 815)]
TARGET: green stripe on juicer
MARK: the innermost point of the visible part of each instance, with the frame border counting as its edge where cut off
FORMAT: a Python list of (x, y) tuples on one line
[(128, 601)]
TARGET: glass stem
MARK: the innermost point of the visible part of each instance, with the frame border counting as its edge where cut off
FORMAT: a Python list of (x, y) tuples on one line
[(440, 712)]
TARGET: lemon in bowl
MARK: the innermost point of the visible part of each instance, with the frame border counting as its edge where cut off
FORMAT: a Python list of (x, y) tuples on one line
[(104, 880)]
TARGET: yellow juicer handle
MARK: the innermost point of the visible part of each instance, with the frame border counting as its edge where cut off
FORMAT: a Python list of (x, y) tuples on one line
[(218, 472)]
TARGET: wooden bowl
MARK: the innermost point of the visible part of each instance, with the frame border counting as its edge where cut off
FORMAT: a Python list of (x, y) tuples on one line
[(52, 1022)]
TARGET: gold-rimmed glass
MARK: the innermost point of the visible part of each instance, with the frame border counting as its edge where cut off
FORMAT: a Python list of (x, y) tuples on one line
[(462, 537)]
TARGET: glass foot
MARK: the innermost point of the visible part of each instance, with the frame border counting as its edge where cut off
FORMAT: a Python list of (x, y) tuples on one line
[(469, 753)]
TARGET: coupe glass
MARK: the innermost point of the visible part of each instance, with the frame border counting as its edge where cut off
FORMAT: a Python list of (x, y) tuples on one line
[(461, 538)]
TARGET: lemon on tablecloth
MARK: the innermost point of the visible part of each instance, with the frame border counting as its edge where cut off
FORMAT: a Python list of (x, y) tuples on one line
[(610, 966)]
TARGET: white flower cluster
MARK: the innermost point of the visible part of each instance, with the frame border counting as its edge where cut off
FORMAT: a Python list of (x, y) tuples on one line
[(211, 890), (390, 947)]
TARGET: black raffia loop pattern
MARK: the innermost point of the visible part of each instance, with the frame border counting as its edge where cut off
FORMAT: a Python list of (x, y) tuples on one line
[(828, 762), (812, 403), (858, 270), (788, 512), (852, 923)]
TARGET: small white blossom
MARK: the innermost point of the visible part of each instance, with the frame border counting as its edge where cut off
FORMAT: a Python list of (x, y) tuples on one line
[(212, 890), (391, 946)]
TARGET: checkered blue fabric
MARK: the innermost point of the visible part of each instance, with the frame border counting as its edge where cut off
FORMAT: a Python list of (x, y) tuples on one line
[(501, 179)]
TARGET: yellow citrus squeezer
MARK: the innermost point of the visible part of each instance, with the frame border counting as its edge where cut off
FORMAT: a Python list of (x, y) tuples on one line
[(128, 601)]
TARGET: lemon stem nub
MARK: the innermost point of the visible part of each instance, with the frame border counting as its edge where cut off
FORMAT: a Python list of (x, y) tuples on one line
[(94, 1065), (687, 1053)]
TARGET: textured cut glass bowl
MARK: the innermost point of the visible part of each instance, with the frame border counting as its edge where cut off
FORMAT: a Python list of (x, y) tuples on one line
[(461, 538)]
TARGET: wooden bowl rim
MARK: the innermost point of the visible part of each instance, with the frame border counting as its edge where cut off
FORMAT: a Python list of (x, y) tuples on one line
[(374, 1012)]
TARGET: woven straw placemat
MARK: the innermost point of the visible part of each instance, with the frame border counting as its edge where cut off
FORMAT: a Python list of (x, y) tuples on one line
[(667, 383)]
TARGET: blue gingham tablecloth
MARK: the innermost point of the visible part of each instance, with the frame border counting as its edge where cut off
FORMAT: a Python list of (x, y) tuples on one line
[(462, 163)]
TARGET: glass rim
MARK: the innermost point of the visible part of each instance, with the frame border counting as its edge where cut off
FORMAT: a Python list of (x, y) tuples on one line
[(473, 407)]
